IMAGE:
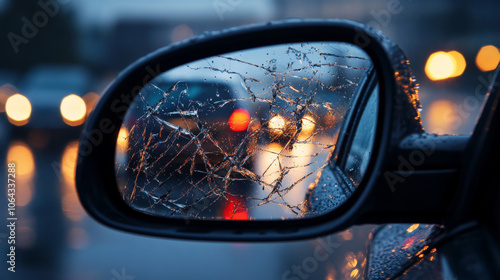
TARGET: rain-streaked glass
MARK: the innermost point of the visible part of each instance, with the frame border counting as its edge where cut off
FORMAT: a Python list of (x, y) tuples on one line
[(238, 136)]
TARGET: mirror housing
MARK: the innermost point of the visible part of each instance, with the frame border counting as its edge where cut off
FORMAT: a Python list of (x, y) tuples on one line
[(378, 198)]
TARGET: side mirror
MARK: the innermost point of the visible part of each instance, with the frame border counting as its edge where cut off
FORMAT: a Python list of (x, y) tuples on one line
[(244, 135), (278, 131)]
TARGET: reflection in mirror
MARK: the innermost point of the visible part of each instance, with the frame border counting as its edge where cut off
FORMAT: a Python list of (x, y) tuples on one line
[(242, 135), (361, 145)]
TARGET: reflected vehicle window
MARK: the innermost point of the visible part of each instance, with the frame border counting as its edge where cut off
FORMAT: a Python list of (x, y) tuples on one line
[(238, 136), (362, 143)]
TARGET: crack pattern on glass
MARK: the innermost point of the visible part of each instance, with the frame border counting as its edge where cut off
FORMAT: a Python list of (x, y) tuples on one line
[(238, 136)]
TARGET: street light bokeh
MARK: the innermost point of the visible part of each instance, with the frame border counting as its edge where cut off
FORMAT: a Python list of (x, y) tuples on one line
[(443, 65), (488, 58)]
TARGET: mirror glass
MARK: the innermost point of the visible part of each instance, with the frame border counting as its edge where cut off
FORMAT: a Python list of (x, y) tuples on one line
[(248, 135), (361, 145)]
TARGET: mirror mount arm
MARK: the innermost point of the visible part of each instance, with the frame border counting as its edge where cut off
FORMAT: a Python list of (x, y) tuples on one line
[(429, 152), (425, 167)]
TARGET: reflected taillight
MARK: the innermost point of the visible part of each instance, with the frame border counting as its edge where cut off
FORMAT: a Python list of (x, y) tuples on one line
[(234, 210), (239, 120)]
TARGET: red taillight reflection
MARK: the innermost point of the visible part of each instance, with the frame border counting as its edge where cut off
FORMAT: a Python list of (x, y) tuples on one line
[(239, 120), (234, 210), (409, 242)]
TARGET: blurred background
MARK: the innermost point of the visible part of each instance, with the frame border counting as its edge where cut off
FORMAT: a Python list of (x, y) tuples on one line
[(57, 56)]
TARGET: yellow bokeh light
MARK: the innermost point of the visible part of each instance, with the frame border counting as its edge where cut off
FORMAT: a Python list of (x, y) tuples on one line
[(277, 124), (412, 228), (18, 109), (351, 260), (20, 154), (440, 117), (71, 207), (122, 140), (487, 58), (274, 148), (354, 273), (68, 161), (459, 63), (308, 124), (73, 110), (440, 65)]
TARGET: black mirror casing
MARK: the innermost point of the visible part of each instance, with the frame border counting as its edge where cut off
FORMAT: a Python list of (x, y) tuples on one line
[(398, 118)]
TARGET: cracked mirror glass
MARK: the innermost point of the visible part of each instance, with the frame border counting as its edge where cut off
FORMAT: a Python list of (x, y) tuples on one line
[(240, 136)]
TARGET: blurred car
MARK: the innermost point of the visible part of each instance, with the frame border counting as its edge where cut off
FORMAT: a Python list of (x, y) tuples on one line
[(51, 98), (187, 127), (290, 118), (192, 121)]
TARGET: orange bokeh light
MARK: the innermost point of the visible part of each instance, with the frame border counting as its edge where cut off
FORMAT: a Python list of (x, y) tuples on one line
[(443, 65), (487, 58), (239, 120)]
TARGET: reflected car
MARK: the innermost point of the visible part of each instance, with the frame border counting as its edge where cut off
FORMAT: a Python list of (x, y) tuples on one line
[(319, 113), (283, 129), (182, 125), (175, 132)]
